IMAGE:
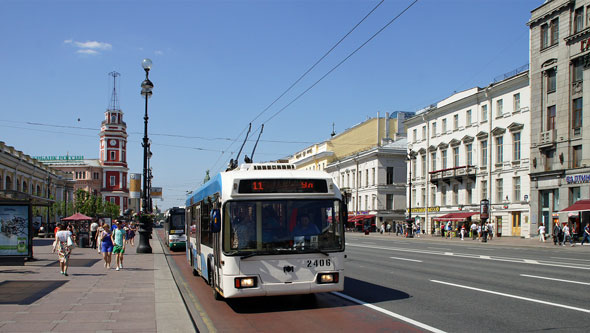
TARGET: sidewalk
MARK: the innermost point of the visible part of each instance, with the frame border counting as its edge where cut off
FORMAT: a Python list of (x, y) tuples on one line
[(497, 241), (142, 297)]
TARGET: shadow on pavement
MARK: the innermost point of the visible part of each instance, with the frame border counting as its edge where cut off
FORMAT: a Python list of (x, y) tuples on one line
[(14, 271), (26, 292), (89, 274), (42, 241), (361, 290), (137, 269)]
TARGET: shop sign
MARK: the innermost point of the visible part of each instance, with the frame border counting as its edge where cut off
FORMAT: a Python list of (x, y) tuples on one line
[(577, 179), (59, 158), (422, 210)]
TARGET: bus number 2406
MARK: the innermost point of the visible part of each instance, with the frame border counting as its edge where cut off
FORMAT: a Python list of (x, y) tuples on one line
[(318, 263)]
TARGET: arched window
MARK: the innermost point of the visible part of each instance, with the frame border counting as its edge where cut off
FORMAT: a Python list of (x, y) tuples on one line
[(17, 185), (38, 190), (25, 188), (8, 183)]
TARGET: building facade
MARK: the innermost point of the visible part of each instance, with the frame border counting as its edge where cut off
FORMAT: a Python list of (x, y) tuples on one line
[(473, 146), (560, 57)]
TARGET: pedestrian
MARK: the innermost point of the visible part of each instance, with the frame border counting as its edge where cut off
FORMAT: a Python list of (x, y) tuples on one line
[(106, 243), (63, 244), (382, 229), (418, 229), (490, 231), (131, 234), (388, 227), (98, 240), (586, 234), (463, 232), (119, 244), (473, 230), (567, 235), (556, 234), (442, 230), (449, 230), (542, 232), (93, 231), (484, 233), (479, 232)]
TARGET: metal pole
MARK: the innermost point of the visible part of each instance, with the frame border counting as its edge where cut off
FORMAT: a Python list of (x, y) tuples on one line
[(145, 230)]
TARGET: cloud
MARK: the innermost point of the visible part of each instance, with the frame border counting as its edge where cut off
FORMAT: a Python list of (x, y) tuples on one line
[(89, 47)]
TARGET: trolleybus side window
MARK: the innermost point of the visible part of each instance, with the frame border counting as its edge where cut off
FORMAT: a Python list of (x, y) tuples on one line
[(205, 234)]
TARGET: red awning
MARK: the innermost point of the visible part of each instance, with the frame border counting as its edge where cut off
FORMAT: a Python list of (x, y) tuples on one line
[(455, 216), (77, 217), (579, 206)]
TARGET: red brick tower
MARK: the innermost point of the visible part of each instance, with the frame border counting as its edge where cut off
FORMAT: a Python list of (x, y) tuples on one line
[(113, 152)]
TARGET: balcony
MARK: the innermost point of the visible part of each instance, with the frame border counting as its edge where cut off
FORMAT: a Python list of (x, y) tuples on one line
[(457, 173), (546, 138)]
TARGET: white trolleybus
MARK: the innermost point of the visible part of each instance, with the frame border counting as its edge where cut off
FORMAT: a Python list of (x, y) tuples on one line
[(174, 227), (267, 229)]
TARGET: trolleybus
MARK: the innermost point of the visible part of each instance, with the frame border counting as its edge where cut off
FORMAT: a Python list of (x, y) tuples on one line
[(267, 229), (174, 228)]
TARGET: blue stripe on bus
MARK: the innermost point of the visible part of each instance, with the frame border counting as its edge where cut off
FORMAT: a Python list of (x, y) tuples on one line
[(211, 187)]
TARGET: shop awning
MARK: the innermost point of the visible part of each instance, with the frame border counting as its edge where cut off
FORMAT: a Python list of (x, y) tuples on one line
[(455, 216), (77, 217), (579, 206)]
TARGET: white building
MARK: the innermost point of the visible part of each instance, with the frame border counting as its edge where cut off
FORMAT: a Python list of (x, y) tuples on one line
[(471, 146), (375, 180)]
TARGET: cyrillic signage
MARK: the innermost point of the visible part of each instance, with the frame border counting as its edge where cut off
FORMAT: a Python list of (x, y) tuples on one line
[(422, 209), (59, 158), (577, 179)]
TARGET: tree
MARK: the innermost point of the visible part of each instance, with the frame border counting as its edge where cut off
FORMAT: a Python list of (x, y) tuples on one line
[(94, 206)]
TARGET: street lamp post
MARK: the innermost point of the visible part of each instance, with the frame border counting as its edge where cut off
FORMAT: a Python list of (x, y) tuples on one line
[(409, 221), (145, 229)]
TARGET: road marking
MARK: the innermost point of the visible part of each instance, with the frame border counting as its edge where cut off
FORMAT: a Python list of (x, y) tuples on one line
[(554, 279), (438, 248), (405, 259), (570, 259), (477, 256), (389, 313), (514, 296)]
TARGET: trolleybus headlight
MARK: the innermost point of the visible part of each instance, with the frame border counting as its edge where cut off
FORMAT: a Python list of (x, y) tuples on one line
[(327, 278), (246, 282)]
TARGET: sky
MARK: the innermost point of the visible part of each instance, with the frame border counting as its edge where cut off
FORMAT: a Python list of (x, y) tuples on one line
[(219, 65)]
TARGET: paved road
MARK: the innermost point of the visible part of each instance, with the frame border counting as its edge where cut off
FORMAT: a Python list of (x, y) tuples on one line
[(471, 286)]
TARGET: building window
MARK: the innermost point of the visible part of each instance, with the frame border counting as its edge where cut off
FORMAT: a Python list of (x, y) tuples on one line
[(96, 175), (389, 202), (112, 155), (469, 153), (551, 81), (444, 126), (373, 203), (578, 19), (367, 178), (433, 196), (354, 184), (414, 133), (500, 149), (574, 195), (444, 159), (424, 132), (389, 175), (551, 118), (374, 178), (549, 154), (360, 175), (414, 168), (112, 178), (434, 129), (516, 181), (423, 192), (516, 143), (433, 161), (456, 122), (484, 152), (367, 202), (423, 157), (499, 107), (499, 190), (484, 189), (112, 199), (414, 196), (469, 190), (484, 113), (577, 115), (443, 196), (554, 31), (468, 118), (455, 194), (577, 156), (516, 101), (544, 36), (456, 157), (578, 72)]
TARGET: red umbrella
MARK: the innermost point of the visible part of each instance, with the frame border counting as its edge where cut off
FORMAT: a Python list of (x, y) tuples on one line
[(77, 217)]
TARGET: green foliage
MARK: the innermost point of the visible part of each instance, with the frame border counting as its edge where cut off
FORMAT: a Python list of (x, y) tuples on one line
[(93, 206)]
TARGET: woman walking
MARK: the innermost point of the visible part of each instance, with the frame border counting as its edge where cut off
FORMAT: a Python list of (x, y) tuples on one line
[(63, 244), (106, 245)]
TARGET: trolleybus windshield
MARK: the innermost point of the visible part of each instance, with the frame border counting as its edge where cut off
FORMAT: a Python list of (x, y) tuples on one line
[(282, 226)]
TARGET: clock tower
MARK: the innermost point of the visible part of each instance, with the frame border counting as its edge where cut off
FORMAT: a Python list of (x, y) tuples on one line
[(113, 153)]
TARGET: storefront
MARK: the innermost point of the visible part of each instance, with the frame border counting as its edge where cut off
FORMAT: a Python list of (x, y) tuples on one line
[(578, 215), (457, 220)]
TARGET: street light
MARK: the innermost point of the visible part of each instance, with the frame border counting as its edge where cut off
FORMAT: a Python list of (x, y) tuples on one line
[(409, 221), (145, 226)]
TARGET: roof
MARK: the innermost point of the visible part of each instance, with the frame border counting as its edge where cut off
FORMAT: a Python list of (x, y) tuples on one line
[(578, 206), (211, 187), (455, 216)]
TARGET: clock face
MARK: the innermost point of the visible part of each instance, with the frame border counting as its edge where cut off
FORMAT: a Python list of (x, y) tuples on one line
[(113, 142)]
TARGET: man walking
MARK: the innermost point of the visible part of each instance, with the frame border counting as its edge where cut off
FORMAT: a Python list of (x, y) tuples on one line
[(93, 230), (473, 230), (556, 234), (119, 242), (586, 234), (567, 235)]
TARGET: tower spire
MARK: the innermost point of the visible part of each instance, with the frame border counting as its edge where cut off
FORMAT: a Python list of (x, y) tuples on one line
[(114, 105)]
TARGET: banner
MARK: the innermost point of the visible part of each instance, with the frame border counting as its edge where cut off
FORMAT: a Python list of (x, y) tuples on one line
[(156, 193), (135, 186), (14, 230)]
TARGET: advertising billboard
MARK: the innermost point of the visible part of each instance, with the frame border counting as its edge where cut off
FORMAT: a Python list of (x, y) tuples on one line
[(14, 230), (135, 186), (156, 193)]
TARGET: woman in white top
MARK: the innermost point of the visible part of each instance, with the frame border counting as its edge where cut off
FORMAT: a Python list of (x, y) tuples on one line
[(542, 232), (62, 238)]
